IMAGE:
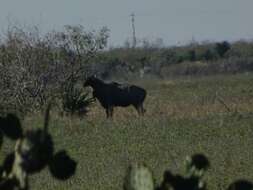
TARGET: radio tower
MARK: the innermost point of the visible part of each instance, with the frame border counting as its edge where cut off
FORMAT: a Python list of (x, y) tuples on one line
[(133, 27)]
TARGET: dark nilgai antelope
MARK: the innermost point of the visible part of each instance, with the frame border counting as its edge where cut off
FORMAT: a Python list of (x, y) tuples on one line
[(114, 94)]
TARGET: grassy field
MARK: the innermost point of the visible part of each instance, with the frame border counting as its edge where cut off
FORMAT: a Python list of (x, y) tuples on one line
[(209, 115)]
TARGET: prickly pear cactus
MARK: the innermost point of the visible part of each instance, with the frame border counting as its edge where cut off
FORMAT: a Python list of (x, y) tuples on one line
[(139, 177), (196, 167)]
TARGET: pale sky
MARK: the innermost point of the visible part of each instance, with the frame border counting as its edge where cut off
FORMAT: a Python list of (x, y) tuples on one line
[(175, 21)]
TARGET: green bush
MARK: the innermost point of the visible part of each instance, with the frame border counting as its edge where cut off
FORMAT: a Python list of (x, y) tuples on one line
[(75, 100)]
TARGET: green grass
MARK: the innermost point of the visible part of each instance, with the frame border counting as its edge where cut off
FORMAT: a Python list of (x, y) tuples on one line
[(184, 116)]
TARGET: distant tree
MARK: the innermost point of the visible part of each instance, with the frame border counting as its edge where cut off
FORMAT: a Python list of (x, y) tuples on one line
[(158, 43), (146, 43), (152, 44), (171, 57), (222, 48), (208, 55), (127, 44), (192, 55)]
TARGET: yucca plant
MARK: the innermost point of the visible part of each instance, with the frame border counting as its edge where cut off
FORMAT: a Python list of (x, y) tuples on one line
[(75, 101)]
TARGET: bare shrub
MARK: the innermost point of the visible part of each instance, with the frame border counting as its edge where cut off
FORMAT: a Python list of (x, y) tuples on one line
[(34, 68)]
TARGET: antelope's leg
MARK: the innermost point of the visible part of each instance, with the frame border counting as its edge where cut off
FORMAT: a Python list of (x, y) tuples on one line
[(107, 112), (111, 111)]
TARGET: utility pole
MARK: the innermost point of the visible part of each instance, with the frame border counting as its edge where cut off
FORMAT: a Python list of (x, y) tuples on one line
[(133, 27)]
